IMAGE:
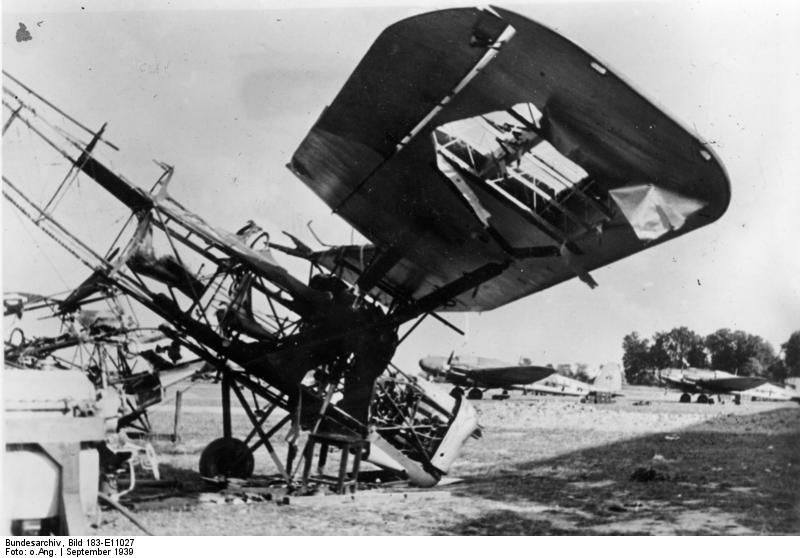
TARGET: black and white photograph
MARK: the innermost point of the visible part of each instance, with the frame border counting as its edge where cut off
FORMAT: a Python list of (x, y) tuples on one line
[(277, 268)]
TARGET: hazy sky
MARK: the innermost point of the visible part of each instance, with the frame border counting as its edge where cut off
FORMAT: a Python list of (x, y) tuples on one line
[(227, 95)]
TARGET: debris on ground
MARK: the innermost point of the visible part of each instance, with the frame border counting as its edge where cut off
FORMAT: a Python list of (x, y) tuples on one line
[(648, 474)]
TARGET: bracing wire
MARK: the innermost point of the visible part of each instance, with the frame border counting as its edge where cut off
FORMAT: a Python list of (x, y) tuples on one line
[(36, 242)]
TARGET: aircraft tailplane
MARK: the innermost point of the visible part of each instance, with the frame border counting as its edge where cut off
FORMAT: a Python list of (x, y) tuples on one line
[(609, 379)]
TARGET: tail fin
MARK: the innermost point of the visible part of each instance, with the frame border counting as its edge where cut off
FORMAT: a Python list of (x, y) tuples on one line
[(609, 379)]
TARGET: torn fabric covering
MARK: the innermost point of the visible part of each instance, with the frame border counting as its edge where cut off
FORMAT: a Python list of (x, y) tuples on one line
[(261, 261), (654, 211), (238, 314), (167, 270), (140, 257), (103, 321), (93, 284)]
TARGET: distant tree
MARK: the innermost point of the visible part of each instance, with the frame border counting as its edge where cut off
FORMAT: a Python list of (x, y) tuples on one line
[(582, 372), (752, 367), (777, 371), (697, 355), (678, 348), (791, 355), (739, 352), (657, 355), (565, 370), (636, 360), (721, 346), (754, 347)]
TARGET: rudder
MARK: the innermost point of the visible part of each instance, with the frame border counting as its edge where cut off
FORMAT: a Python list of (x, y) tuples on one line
[(609, 379)]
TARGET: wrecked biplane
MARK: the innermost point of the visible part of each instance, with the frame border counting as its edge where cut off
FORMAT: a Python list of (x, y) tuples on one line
[(485, 158), (313, 349)]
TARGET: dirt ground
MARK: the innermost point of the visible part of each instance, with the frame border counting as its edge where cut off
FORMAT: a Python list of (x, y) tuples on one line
[(644, 465)]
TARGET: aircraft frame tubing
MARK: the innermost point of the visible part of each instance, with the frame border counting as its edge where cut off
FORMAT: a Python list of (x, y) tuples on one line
[(297, 326)]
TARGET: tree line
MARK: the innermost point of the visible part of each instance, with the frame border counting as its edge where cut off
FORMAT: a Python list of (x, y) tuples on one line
[(737, 352), (579, 372)]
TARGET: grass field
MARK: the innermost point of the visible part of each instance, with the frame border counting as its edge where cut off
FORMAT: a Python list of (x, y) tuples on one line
[(545, 466)]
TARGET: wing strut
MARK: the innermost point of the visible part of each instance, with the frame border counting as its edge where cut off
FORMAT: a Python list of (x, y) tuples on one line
[(384, 259), (55, 108), (443, 295), (491, 52)]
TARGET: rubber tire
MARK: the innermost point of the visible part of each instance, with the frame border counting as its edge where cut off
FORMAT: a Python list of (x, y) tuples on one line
[(702, 398), (456, 393), (686, 398), (474, 394), (227, 457)]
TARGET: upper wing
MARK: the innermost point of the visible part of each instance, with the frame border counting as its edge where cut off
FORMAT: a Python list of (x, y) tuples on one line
[(468, 137)]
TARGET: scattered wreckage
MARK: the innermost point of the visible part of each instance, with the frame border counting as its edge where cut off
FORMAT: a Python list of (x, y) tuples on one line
[(491, 159)]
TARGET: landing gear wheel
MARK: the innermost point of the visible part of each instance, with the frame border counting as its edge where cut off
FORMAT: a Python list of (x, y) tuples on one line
[(226, 457), (457, 393), (686, 398), (702, 398), (475, 393)]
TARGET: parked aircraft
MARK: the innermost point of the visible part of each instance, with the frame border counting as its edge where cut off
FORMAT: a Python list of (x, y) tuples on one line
[(770, 391), (480, 373), (707, 383), (607, 383)]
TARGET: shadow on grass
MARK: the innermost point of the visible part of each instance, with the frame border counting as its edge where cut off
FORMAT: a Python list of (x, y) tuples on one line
[(692, 481), (177, 488), (507, 523)]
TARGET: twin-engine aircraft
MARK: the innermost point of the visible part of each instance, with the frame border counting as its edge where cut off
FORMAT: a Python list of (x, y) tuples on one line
[(480, 373), (605, 386), (485, 158), (707, 383), (770, 391)]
